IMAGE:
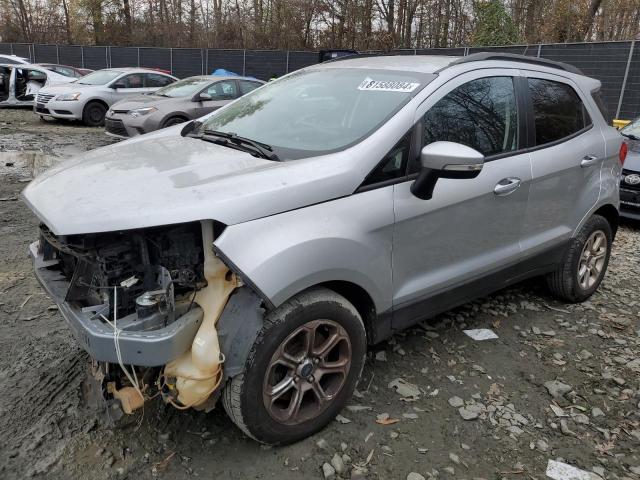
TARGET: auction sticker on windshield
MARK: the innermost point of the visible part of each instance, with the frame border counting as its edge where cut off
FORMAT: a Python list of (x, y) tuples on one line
[(387, 86)]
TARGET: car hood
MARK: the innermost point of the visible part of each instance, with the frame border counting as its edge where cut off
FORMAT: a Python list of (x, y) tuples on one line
[(163, 178), (68, 87), (140, 101)]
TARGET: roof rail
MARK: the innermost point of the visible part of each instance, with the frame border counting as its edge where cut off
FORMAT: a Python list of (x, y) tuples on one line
[(513, 57)]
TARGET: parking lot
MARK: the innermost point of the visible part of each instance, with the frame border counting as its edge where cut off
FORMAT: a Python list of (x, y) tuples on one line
[(561, 382)]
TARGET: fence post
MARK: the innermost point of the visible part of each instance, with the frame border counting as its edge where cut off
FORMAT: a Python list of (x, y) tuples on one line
[(138, 57), (287, 69), (11, 47), (57, 53), (106, 56), (626, 75), (171, 60), (539, 49), (82, 55), (201, 62), (466, 51), (244, 62)]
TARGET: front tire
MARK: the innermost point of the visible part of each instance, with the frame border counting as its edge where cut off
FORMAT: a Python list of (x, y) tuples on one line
[(585, 262), (170, 122), (93, 114), (301, 371)]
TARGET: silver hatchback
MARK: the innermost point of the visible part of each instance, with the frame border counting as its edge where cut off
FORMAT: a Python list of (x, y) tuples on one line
[(251, 256)]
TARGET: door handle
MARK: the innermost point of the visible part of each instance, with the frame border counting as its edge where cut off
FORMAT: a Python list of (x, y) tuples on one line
[(507, 185), (588, 160)]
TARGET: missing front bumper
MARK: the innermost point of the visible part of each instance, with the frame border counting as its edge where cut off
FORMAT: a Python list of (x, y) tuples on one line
[(145, 348)]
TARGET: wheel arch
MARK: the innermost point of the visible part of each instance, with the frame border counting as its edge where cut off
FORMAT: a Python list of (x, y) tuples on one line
[(362, 302), (94, 100), (611, 215), (171, 115)]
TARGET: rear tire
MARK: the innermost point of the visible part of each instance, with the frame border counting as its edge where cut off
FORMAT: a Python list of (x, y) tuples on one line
[(282, 368), (585, 262), (93, 114)]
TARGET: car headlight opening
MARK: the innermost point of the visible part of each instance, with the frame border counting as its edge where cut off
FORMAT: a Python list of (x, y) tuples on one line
[(142, 111), (68, 97)]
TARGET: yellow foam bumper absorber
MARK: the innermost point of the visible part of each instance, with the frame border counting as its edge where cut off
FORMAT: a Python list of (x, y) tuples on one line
[(199, 370)]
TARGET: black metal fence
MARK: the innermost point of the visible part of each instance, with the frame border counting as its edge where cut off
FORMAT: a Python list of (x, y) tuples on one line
[(615, 64)]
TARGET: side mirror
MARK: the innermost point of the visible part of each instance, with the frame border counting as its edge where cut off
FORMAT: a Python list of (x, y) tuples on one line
[(445, 160), (117, 85), (202, 97)]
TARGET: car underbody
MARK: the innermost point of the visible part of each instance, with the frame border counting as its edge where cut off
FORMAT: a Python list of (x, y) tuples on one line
[(149, 301)]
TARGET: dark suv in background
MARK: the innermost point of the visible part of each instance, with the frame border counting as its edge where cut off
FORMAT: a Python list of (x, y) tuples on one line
[(630, 180)]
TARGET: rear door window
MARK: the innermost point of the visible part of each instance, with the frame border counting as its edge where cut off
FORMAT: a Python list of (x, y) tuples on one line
[(154, 80), (133, 80), (558, 111), (481, 114), (224, 90), (247, 86)]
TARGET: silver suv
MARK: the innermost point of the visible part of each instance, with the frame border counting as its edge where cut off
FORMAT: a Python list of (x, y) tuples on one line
[(251, 256)]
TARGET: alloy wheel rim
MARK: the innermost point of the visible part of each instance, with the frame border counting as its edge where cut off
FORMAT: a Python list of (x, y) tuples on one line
[(307, 371), (592, 260)]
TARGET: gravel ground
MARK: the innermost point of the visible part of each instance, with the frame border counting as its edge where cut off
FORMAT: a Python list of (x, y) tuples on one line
[(561, 382)]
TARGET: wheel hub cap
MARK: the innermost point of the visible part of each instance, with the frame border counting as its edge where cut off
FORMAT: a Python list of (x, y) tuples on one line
[(305, 369)]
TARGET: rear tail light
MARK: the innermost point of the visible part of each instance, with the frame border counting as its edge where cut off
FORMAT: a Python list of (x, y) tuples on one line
[(623, 152)]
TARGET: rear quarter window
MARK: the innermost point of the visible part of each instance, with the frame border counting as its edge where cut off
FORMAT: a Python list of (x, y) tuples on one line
[(557, 110), (597, 97)]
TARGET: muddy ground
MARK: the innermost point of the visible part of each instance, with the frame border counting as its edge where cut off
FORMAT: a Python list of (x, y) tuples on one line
[(482, 409)]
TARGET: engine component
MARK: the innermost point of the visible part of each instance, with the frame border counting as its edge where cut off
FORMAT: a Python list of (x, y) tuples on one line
[(131, 260)]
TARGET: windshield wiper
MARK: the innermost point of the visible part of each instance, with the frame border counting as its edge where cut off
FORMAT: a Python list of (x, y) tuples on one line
[(630, 136), (234, 141)]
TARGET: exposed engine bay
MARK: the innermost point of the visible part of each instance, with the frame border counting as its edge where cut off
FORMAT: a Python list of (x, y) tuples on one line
[(135, 292)]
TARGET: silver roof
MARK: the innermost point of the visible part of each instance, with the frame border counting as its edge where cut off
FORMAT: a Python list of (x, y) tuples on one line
[(407, 63)]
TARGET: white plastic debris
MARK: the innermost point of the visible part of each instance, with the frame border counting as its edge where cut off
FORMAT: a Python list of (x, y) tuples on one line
[(405, 389), (481, 334), (563, 471)]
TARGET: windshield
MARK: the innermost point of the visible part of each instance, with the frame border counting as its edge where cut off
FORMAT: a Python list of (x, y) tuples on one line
[(633, 129), (184, 88), (318, 111), (100, 77)]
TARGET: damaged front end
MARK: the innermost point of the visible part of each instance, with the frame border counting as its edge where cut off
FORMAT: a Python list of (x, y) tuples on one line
[(145, 305)]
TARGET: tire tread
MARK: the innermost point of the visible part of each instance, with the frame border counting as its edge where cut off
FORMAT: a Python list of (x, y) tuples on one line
[(232, 393)]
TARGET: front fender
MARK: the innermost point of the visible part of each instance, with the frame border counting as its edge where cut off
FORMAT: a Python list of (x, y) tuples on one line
[(347, 239)]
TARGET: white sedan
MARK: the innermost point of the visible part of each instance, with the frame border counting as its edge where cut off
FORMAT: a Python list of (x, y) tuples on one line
[(89, 97), (20, 83)]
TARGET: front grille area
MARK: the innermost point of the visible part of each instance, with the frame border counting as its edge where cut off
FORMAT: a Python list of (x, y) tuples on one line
[(630, 184), (44, 98), (116, 127)]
